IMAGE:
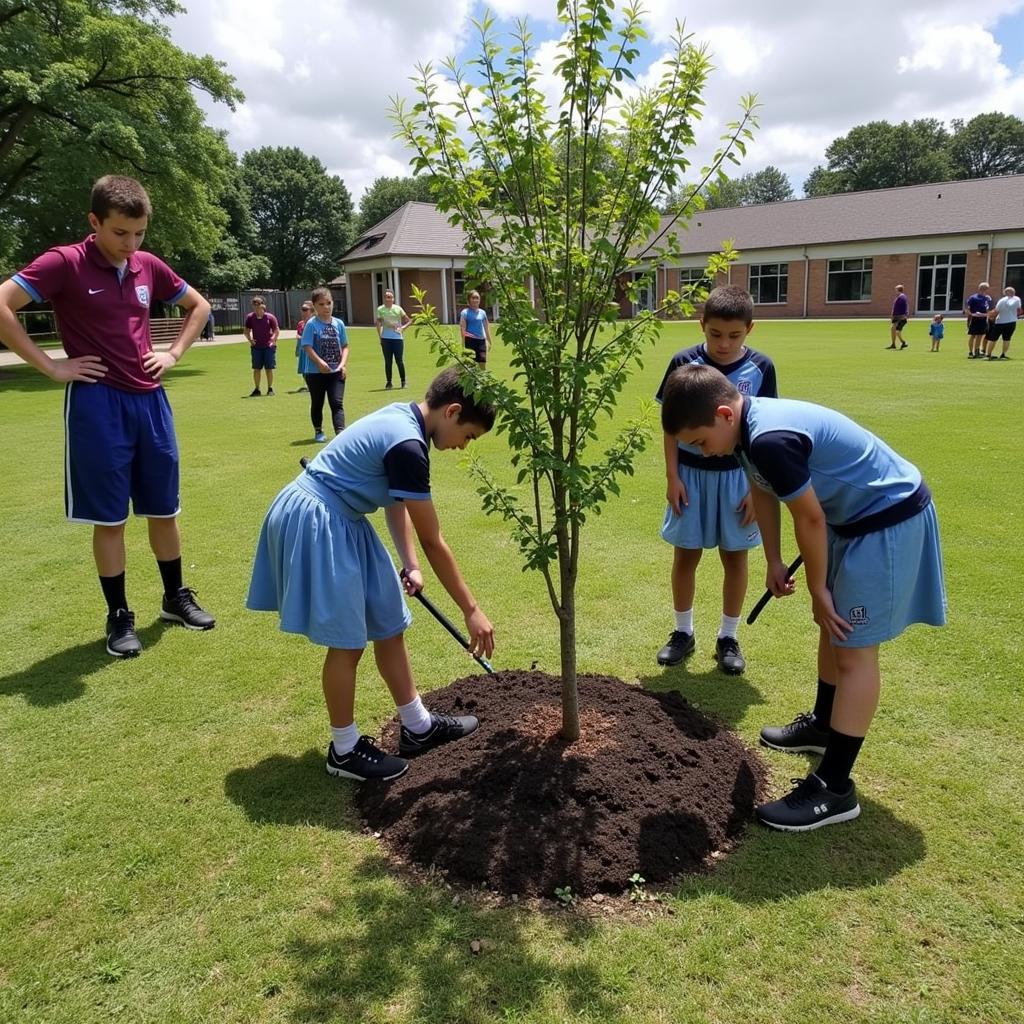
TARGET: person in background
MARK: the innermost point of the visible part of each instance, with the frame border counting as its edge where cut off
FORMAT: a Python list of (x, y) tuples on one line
[(261, 331)]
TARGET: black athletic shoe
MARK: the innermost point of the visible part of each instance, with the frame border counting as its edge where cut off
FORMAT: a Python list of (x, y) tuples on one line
[(801, 736), (388, 386), (255, 393), (365, 761), (443, 729), (184, 609), (903, 346), (1004, 357), (270, 391), (728, 655), (810, 805), (887, 347), (679, 645), (122, 641)]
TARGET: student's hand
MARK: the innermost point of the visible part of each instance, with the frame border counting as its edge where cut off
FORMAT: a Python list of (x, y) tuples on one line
[(84, 368), (826, 616), (412, 581), (325, 367), (344, 372), (676, 495), (746, 510), (157, 363), (778, 580), (481, 634)]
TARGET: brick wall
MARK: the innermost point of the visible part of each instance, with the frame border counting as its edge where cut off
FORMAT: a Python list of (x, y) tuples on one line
[(430, 282), (361, 286)]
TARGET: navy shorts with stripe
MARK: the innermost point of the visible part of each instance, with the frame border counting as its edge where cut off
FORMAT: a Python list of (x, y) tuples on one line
[(118, 446), (264, 358)]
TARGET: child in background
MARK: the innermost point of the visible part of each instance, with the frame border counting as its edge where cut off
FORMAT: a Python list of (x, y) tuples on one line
[(476, 330), (324, 356), (936, 330), (305, 312)]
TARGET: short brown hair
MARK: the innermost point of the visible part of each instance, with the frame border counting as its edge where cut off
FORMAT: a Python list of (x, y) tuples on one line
[(729, 302), (320, 293), (692, 395), (125, 195), (446, 388)]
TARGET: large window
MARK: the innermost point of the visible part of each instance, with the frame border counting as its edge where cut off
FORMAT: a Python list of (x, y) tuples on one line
[(849, 281), (940, 282), (1015, 271), (643, 300), (694, 277), (769, 283)]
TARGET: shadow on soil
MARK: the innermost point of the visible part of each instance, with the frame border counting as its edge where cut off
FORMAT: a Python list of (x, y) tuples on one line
[(386, 949), (60, 677)]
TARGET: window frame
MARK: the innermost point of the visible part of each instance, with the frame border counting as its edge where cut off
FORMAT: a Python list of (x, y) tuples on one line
[(869, 269), (782, 274)]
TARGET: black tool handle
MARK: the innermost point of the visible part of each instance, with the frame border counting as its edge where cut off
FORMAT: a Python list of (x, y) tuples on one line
[(450, 626), (767, 595)]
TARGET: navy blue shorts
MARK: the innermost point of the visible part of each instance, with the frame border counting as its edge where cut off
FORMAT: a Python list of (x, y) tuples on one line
[(264, 358), (477, 346), (118, 445)]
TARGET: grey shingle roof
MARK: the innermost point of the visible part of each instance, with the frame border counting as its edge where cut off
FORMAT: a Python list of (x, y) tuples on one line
[(947, 208), (415, 229)]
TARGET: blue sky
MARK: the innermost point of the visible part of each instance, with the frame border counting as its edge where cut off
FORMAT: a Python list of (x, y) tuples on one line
[(318, 73)]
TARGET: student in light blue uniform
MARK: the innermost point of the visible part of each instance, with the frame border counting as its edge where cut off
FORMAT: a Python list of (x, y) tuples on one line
[(324, 363), (709, 502), (867, 530), (476, 329), (322, 567)]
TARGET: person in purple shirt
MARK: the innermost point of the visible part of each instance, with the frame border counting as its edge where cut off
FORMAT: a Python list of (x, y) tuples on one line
[(119, 432), (900, 314), (261, 331), (976, 311)]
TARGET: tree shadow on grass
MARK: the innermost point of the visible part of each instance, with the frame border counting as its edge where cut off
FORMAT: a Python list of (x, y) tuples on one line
[(28, 379), (60, 677), (769, 865), (386, 947), (726, 698), (288, 790)]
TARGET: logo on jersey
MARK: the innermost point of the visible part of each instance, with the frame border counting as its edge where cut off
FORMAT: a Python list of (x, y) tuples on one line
[(743, 387), (859, 616), (142, 294), (760, 481)]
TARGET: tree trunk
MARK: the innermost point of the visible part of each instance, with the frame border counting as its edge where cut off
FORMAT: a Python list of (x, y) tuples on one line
[(567, 651)]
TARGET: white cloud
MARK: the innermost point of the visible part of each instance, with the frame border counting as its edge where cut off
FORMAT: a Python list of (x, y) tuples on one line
[(318, 73)]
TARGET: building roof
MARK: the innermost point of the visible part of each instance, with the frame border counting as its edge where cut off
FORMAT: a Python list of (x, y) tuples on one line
[(415, 229), (976, 206)]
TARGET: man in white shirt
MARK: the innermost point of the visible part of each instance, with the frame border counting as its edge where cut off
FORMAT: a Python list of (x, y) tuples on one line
[(1004, 322)]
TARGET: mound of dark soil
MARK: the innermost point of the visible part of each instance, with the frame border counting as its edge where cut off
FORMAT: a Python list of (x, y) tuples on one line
[(653, 786)]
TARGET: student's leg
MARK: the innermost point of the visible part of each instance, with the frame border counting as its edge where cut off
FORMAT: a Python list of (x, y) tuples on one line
[(734, 581), (164, 538), (858, 686), (399, 348), (256, 378), (1007, 335), (684, 577), (389, 355), (108, 549), (392, 657), (339, 685), (270, 378), (335, 389), (317, 383), (892, 335)]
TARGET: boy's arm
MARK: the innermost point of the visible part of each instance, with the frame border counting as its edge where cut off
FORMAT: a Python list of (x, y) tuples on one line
[(812, 540), (400, 528), (442, 561), (274, 331), (247, 332), (156, 364), (675, 489), (84, 368), (769, 522)]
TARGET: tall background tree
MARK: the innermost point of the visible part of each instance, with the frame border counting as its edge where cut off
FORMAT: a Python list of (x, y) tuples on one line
[(386, 195), (987, 145), (766, 186), (303, 215), (572, 204), (89, 87)]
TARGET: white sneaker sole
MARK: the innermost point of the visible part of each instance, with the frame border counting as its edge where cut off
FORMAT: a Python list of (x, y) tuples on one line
[(806, 749), (123, 654), (171, 617), (833, 819), (340, 773)]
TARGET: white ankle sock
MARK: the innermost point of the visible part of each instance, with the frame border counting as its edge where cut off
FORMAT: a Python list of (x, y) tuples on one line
[(344, 738), (415, 717), (729, 626), (684, 621)]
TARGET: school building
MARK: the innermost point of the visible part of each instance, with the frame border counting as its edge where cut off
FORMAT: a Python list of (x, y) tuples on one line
[(835, 256)]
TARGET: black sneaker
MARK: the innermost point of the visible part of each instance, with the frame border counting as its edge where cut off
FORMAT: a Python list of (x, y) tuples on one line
[(903, 346), (122, 641), (887, 347), (680, 645), (1004, 357), (443, 729), (184, 609), (728, 655), (270, 391), (801, 736), (811, 805), (365, 761), (388, 386), (255, 393)]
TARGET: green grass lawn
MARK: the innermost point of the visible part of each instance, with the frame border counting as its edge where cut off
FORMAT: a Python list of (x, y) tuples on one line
[(171, 849)]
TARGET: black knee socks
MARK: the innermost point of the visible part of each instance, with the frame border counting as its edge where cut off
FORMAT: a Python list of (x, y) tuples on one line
[(113, 592), (170, 573), (823, 704)]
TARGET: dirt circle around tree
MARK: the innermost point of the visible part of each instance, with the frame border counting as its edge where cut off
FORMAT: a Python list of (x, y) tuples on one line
[(653, 787)]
